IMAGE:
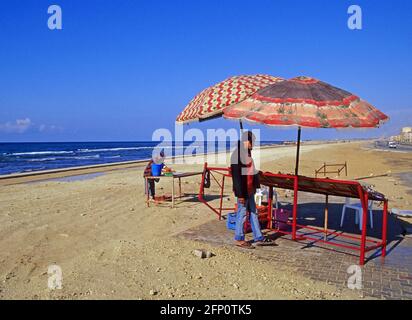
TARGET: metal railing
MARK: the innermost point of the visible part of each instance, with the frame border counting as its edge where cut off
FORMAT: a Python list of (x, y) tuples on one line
[(325, 169)]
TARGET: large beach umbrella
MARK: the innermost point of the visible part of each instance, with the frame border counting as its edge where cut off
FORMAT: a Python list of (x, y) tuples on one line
[(306, 102), (211, 102)]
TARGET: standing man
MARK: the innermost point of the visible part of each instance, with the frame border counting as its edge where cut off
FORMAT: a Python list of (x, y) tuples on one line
[(245, 182)]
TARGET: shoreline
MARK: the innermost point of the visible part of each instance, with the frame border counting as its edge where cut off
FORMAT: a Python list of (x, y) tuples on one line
[(42, 175)]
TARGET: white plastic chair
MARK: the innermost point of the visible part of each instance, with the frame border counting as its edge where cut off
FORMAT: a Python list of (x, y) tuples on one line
[(260, 193), (357, 206)]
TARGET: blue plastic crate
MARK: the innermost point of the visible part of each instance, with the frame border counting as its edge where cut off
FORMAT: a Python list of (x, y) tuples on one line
[(231, 221)]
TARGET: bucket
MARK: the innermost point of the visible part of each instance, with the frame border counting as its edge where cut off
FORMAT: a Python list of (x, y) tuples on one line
[(157, 169)]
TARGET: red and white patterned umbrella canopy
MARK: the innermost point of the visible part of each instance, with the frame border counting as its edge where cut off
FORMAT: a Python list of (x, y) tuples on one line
[(306, 102), (213, 100)]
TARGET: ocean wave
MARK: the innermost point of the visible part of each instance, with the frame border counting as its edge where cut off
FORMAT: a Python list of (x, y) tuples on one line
[(96, 156), (127, 149), (41, 159), (112, 149), (34, 153)]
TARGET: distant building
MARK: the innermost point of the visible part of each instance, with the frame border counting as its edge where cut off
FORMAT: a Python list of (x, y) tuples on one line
[(405, 136)]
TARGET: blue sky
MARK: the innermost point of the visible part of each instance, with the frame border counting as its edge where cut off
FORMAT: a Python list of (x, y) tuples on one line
[(121, 69)]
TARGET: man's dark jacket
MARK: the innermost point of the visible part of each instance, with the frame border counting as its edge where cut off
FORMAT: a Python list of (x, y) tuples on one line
[(240, 180)]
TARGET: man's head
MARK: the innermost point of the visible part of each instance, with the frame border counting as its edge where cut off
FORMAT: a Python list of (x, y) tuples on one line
[(248, 139), (158, 158)]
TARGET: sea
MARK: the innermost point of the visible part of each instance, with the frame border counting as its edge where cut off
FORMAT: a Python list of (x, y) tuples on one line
[(37, 156)]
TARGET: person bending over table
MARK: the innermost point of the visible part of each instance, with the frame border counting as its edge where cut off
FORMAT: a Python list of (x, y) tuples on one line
[(245, 180), (148, 172)]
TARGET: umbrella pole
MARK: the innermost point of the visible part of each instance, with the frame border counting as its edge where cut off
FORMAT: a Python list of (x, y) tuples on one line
[(297, 152), (241, 125)]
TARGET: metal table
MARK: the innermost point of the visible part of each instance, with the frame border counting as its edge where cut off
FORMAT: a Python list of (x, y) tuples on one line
[(175, 175)]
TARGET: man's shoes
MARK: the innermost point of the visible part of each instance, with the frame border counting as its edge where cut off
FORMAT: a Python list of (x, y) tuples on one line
[(244, 244), (265, 242)]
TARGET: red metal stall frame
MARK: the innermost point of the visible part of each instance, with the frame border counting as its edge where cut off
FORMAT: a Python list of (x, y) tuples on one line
[(363, 197), (224, 172)]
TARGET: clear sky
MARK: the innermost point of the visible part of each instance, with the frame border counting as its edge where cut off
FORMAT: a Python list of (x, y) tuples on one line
[(120, 69)]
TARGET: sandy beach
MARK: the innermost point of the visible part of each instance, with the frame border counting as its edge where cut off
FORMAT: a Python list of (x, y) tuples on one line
[(110, 245)]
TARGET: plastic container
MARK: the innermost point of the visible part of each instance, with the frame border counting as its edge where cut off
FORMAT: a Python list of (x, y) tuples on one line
[(157, 169), (280, 218), (231, 221), (261, 196)]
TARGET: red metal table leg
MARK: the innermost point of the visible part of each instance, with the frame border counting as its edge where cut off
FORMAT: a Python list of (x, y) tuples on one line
[(270, 210), (326, 218), (384, 227), (364, 200), (295, 207)]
